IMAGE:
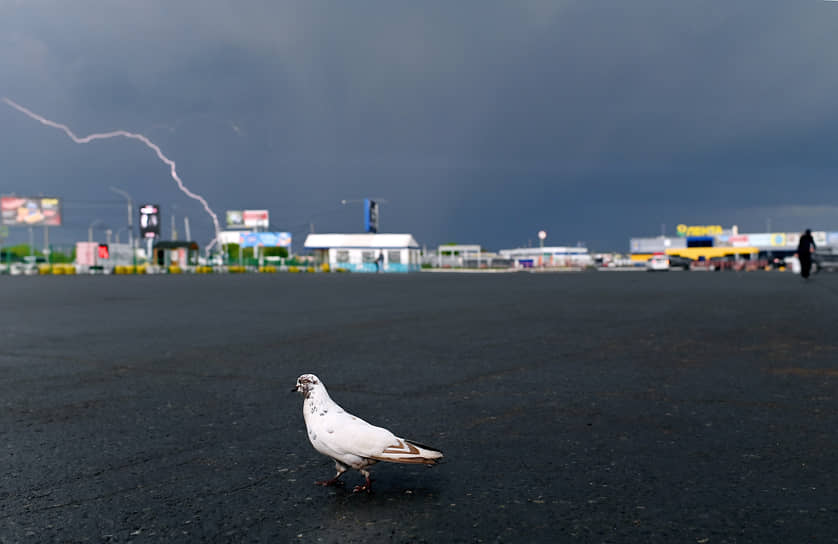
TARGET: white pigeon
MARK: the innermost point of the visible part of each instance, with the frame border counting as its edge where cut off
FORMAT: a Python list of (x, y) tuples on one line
[(351, 441)]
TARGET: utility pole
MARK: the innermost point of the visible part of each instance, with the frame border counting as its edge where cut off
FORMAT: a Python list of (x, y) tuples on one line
[(130, 215), (46, 250)]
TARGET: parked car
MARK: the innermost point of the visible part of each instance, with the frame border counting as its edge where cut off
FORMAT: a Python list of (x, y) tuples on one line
[(825, 261), (657, 263), (676, 261)]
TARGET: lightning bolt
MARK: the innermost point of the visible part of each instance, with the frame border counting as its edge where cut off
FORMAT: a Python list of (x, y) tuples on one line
[(130, 135)]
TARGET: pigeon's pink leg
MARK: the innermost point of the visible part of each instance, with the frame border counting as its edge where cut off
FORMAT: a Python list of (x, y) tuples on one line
[(336, 480), (367, 485)]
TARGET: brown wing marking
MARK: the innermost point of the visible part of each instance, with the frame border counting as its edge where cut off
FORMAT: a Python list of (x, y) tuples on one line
[(402, 447), (410, 460)]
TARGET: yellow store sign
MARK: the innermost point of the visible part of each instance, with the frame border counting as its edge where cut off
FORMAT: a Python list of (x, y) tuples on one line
[(699, 230)]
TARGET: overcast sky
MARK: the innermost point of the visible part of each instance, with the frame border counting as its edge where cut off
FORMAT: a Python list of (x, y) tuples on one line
[(475, 121)]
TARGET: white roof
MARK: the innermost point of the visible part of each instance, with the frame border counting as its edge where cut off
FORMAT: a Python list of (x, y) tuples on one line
[(553, 250), (373, 241), (460, 247)]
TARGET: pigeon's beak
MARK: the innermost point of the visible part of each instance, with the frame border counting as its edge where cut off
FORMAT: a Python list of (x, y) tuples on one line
[(296, 389)]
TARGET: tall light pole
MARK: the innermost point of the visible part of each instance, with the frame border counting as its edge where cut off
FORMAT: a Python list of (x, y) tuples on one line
[(90, 229), (130, 215)]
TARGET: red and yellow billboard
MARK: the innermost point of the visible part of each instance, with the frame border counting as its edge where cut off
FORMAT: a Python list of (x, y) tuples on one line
[(30, 211)]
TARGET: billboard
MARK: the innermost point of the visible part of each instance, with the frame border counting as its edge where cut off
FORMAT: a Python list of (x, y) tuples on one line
[(370, 215), (255, 218), (266, 239), (150, 221), (31, 211), (235, 219)]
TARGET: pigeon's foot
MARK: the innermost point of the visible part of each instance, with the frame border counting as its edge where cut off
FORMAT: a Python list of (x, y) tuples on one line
[(367, 484), (328, 483)]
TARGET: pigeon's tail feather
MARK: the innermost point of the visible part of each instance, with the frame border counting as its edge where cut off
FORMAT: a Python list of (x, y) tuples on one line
[(405, 451), (424, 447)]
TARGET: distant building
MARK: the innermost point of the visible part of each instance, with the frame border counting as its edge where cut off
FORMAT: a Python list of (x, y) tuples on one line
[(548, 257), (456, 256), (708, 241), (465, 256), (369, 252), (90, 255), (175, 252)]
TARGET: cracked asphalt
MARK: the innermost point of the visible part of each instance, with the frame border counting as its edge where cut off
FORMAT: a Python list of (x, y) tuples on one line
[(592, 407)]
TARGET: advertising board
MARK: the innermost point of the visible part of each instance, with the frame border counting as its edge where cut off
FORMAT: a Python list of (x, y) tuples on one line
[(150, 221), (235, 219), (266, 239), (370, 215), (256, 219), (31, 211)]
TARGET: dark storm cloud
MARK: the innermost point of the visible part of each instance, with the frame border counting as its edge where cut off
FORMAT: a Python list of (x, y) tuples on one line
[(476, 121)]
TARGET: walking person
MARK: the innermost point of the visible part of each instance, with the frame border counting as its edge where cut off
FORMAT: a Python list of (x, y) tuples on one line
[(805, 248)]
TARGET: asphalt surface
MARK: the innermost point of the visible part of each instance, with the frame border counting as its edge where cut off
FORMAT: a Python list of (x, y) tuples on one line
[(591, 407)]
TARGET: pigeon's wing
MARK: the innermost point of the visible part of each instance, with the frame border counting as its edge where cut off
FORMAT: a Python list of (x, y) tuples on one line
[(346, 433), (355, 436)]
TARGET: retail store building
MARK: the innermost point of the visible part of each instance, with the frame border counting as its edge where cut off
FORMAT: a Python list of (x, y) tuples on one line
[(703, 242)]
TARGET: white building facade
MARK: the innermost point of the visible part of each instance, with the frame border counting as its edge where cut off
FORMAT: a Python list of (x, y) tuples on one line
[(366, 252), (548, 257)]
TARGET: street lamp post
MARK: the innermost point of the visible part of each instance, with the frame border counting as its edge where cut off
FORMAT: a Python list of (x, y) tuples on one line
[(130, 215), (116, 235), (542, 234), (90, 229), (130, 223)]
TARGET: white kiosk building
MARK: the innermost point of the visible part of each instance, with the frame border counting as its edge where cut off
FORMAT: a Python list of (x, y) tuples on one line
[(366, 252)]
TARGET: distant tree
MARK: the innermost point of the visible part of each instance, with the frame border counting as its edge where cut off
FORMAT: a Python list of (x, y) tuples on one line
[(61, 257), (19, 251), (233, 252), (276, 252)]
